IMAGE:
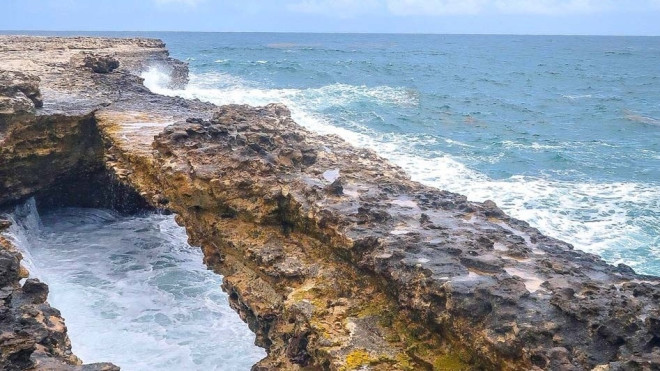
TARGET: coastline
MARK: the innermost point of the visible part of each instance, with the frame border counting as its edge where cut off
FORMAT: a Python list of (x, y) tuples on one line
[(311, 258)]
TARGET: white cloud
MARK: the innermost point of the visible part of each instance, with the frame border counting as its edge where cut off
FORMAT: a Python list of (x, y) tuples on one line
[(552, 6)]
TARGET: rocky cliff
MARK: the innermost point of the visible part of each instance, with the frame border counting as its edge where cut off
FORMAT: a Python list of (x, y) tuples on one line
[(334, 258)]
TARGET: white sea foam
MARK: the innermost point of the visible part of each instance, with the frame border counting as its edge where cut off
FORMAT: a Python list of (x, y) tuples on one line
[(577, 96), (593, 216), (534, 145), (155, 77), (133, 292), (222, 88)]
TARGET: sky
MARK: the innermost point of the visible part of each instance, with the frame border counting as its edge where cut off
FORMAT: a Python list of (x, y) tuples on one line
[(556, 17)]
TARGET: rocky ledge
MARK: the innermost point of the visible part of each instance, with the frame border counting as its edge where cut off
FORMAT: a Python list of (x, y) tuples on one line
[(333, 256)]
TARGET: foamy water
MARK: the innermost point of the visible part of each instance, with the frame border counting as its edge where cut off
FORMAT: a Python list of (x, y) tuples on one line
[(132, 291), (594, 216)]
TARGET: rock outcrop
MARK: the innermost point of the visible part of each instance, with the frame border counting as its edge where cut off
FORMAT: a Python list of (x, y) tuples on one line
[(19, 93), (101, 63), (333, 256)]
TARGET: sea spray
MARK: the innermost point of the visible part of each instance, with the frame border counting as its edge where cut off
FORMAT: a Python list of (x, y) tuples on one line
[(612, 217), (132, 291)]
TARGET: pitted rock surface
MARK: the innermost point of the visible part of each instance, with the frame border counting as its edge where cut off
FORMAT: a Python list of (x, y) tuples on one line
[(513, 295), (332, 255), (101, 63)]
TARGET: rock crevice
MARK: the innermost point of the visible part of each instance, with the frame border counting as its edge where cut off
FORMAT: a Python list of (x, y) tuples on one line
[(332, 255)]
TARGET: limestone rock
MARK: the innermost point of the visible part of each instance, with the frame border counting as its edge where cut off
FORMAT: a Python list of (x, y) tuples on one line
[(100, 63), (332, 255), (14, 82)]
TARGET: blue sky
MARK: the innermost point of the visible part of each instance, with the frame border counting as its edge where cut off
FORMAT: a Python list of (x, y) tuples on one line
[(592, 17)]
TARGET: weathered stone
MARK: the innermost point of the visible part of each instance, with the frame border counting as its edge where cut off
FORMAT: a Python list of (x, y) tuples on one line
[(9, 266), (100, 63), (370, 270), (15, 84), (35, 290), (4, 224)]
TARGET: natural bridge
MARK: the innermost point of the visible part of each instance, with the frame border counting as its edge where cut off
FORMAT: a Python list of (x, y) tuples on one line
[(332, 255)]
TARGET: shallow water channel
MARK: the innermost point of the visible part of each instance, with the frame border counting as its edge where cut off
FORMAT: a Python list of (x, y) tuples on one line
[(132, 291)]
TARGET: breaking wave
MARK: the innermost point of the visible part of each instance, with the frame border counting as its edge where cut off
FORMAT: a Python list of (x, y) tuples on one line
[(132, 291), (594, 216)]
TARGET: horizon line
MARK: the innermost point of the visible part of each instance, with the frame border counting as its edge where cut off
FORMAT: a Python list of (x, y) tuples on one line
[(344, 33)]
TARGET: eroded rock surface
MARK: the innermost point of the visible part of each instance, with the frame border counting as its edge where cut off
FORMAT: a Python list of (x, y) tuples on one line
[(335, 259), (19, 93), (101, 63), (260, 193)]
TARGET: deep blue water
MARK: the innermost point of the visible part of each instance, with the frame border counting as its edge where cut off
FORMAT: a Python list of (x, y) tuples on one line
[(561, 131)]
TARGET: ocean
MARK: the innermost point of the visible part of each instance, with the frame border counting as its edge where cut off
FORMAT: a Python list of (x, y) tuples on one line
[(132, 291), (560, 131)]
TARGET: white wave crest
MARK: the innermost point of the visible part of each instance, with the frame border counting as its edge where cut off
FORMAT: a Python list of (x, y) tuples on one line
[(576, 97), (156, 78), (592, 216)]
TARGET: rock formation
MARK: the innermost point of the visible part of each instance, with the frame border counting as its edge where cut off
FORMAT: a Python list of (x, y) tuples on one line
[(333, 256)]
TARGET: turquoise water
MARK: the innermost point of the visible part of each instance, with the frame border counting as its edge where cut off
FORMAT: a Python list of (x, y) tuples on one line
[(563, 132)]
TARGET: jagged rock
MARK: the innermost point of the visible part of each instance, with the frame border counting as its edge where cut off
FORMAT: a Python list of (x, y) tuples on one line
[(101, 63), (23, 84), (19, 96), (332, 255), (9, 266), (35, 290)]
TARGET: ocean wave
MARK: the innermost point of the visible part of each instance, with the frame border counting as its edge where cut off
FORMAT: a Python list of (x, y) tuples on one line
[(222, 88), (453, 142), (636, 117), (593, 216), (576, 97), (534, 145), (135, 282)]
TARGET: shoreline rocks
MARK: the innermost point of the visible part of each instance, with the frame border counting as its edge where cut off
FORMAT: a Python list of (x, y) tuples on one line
[(332, 255), (101, 63)]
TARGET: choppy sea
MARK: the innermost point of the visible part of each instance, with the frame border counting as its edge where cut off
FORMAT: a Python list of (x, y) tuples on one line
[(560, 131)]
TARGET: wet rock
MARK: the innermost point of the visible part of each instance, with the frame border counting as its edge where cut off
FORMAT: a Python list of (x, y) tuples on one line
[(336, 187), (9, 267), (372, 270), (35, 290), (4, 224)]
